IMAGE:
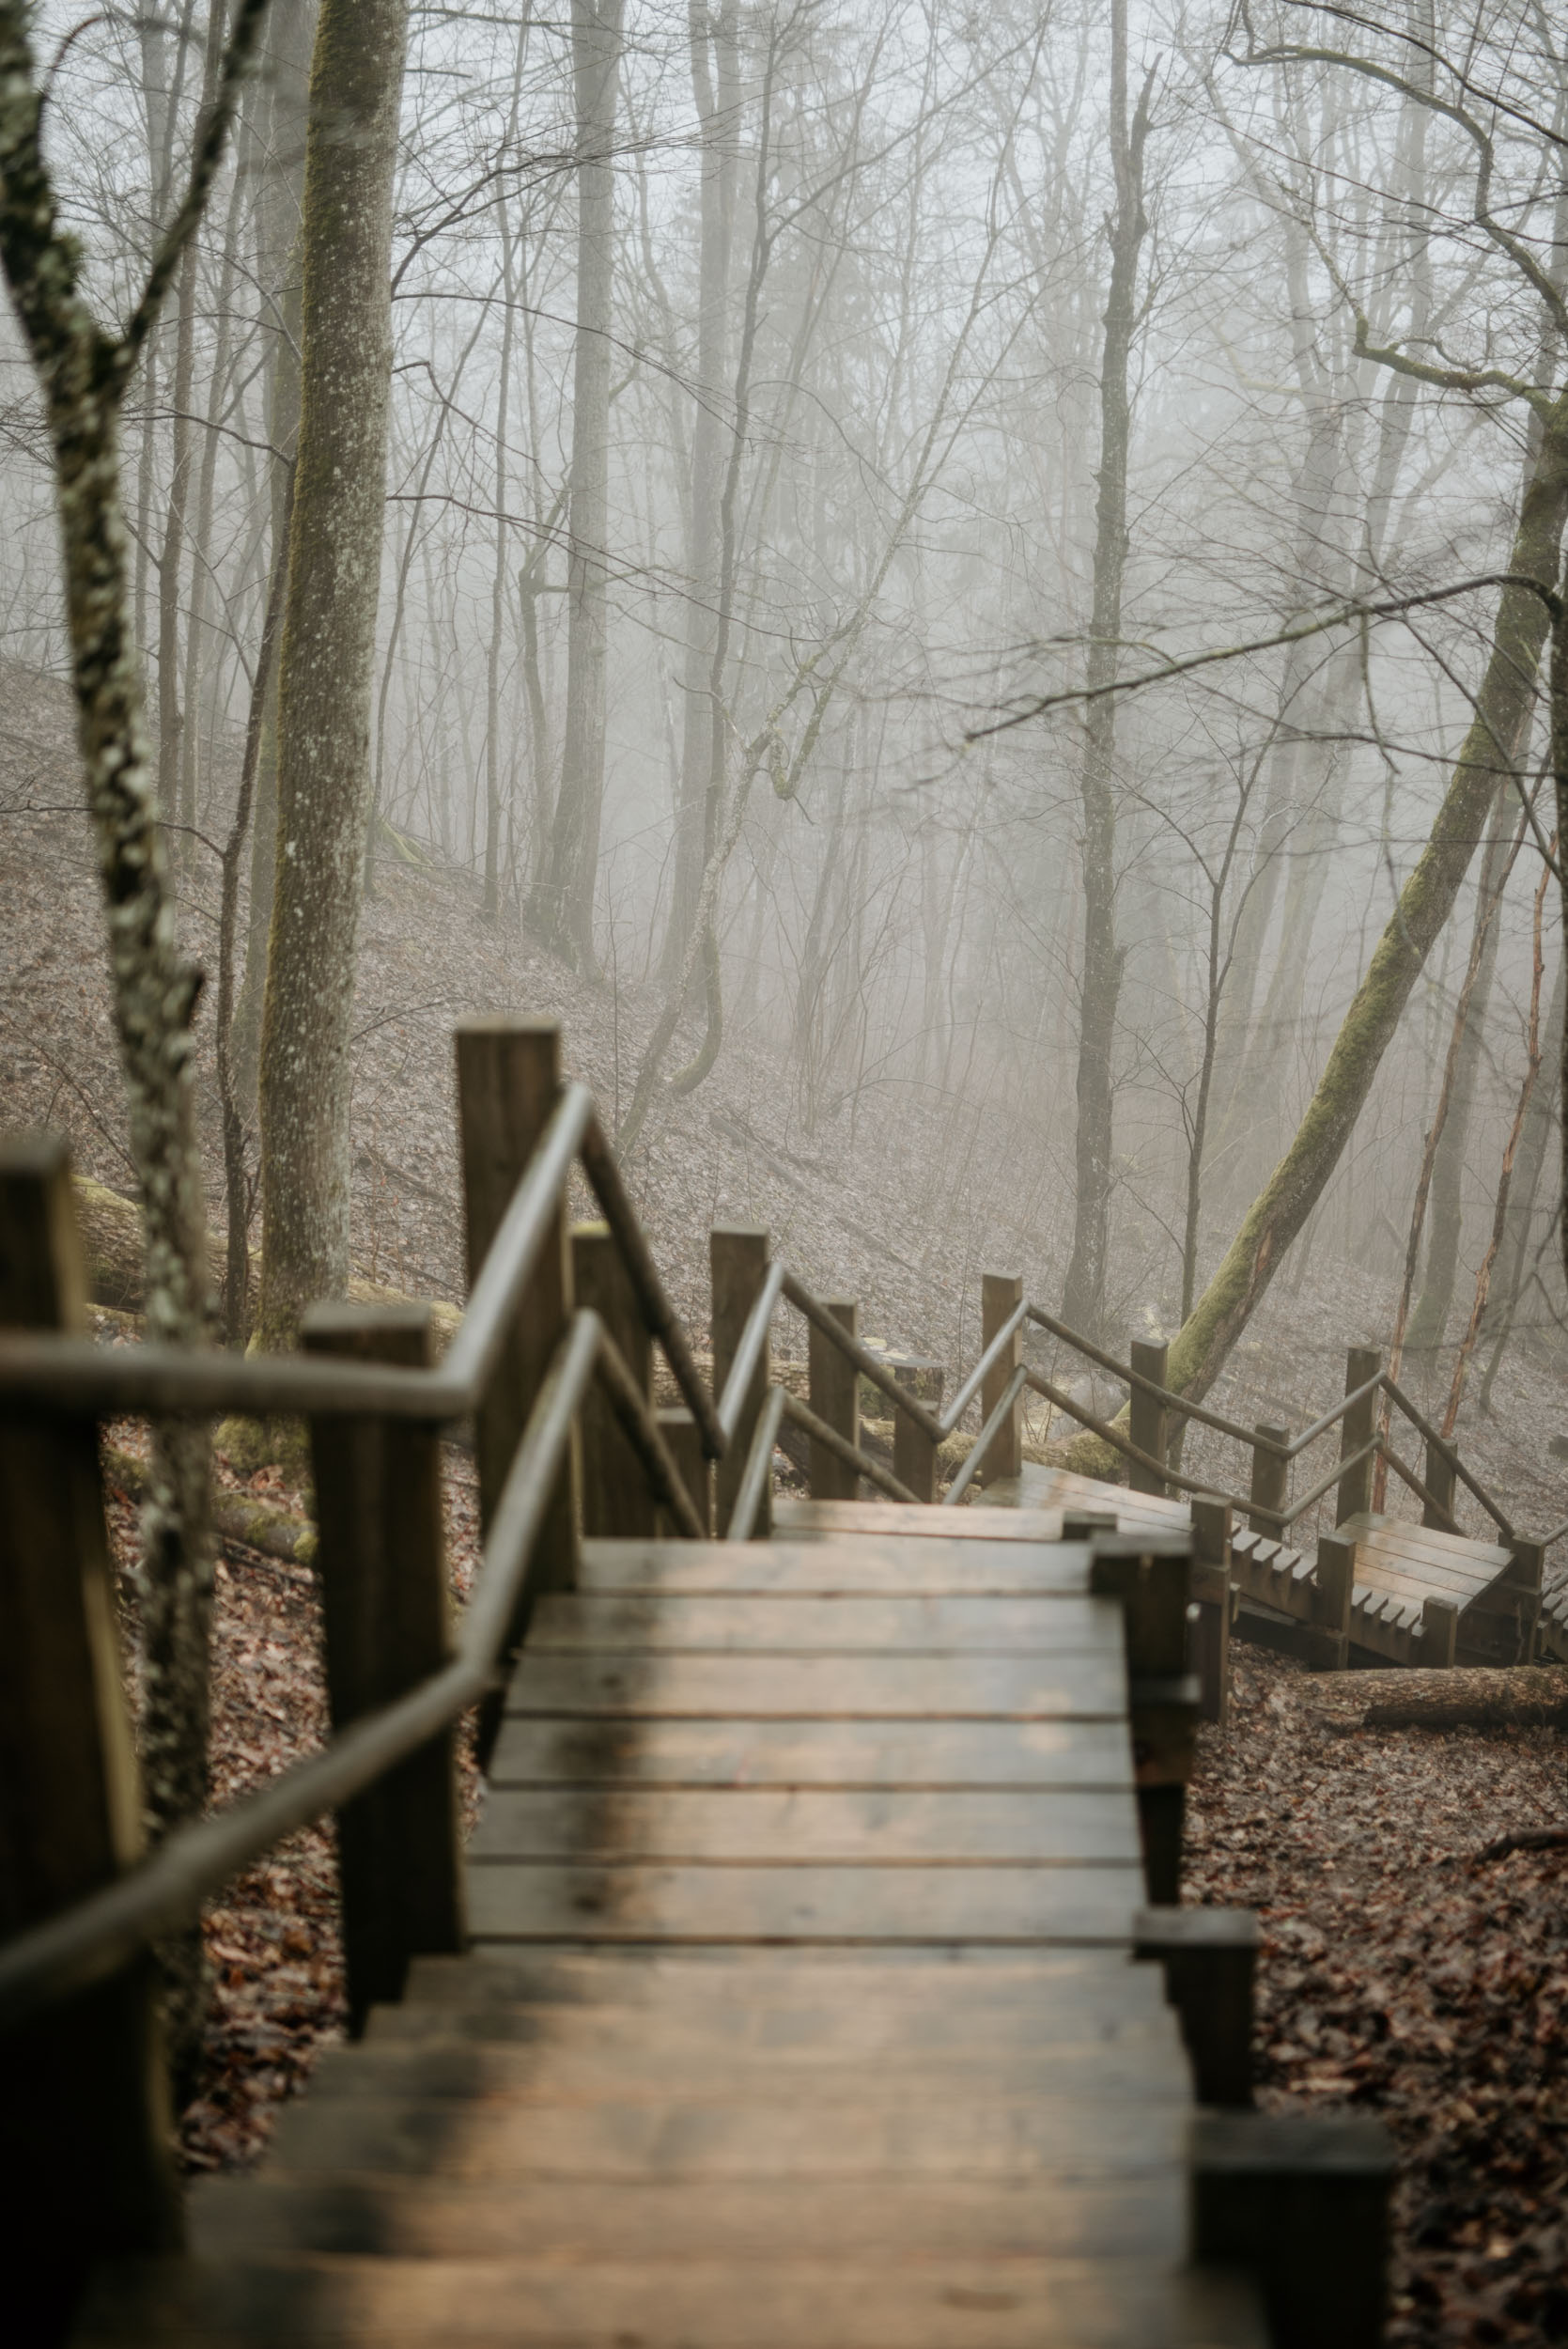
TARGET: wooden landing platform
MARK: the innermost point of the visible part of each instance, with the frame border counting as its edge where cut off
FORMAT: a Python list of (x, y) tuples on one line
[(1398, 1565), (802, 2013)]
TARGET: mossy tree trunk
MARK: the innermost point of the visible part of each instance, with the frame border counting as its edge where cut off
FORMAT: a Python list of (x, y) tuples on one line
[(83, 372), (324, 684)]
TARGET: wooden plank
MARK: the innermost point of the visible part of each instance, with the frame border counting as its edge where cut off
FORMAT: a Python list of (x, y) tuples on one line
[(659, 2219), (907, 1754), (873, 1562), (800, 1520), (786, 1981), (365, 2303), (1476, 1571), (825, 1688), (811, 1626), (859, 2010), (528, 1902), (1137, 2063), (889, 2138), (749, 1823), (1424, 1540)]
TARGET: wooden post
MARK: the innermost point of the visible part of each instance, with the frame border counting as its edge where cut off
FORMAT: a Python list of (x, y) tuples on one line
[(1333, 1588), (1302, 2199), (1357, 1427), (508, 1084), (1210, 1958), (914, 1454), (1439, 1632), (1153, 1586), (1270, 1480), (834, 1394), (387, 1621), (685, 1441), (1150, 1421), (1000, 1295), (1440, 1481), (1524, 1575), (738, 1257), (88, 2121), (616, 1499), (1210, 1643)]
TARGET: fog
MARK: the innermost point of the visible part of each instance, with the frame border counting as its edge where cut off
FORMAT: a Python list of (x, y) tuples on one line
[(827, 297)]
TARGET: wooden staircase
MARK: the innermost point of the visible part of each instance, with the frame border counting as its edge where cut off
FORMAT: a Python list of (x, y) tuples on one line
[(803, 2009)]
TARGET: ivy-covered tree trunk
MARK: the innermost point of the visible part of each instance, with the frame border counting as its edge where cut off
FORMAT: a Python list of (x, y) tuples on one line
[(83, 372), (324, 685), (1502, 702)]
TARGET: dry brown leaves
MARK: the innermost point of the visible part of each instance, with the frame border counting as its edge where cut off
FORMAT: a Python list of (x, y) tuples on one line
[(1400, 1975)]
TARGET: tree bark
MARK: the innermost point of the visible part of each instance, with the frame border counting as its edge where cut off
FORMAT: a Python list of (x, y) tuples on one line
[(1424, 904), (324, 685), (1083, 1291), (564, 906)]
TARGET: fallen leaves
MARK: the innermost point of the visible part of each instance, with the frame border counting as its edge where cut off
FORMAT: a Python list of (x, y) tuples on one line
[(1402, 1974)]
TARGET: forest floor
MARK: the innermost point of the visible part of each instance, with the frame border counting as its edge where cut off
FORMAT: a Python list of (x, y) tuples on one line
[(1399, 1973)]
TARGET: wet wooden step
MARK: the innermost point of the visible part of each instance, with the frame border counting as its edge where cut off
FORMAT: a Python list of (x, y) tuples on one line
[(360, 2303), (822, 1688), (811, 1625), (910, 1755), (992, 1564), (883, 1827)]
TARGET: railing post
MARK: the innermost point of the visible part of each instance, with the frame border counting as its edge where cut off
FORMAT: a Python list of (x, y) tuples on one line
[(1155, 1588), (87, 2114), (738, 1257), (508, 1084), (1333, 1590), (387, 1621), (1525, 1576), (914, 1454), (616, 1499), (1270, 1480), (684, 1437), (1439, 1632), (1441, 1482), (1356, 1429), (833, 1387), (1210, 1643), (1150, 1421), (1000, 1295)]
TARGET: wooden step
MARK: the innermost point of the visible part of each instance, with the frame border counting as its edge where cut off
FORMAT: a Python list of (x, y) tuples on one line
[(523, 1900), (822, 1688), (772, 1981), (806, 1624), (882, 1826), (910, 1755), (872, 1564), (370, 2303), (657, 2219)]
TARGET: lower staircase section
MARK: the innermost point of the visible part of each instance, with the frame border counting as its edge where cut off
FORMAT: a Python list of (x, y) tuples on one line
[(803, 2011)]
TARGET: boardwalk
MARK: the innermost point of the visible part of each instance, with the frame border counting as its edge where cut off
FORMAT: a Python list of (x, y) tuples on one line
[(801, 2011)]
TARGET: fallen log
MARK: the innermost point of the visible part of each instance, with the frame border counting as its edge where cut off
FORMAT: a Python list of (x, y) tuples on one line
[(1463, 1696), (262, 1525)]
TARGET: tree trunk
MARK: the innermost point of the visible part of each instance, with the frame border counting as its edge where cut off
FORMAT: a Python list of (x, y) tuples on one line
[(291, 28), (1424, 904), (328, 641), (716, 83), (1430, 1317), (1498, 1327), (1083, 1291), (566, 907)]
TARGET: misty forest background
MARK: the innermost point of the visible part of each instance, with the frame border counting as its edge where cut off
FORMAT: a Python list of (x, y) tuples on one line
[(785, 402)]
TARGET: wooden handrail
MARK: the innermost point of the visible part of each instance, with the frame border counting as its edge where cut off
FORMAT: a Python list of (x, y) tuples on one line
[(976, 1378), (91, 1939), (759, 1467), (749, 1353), (868, 1364), (604, 1176), (1424, 1428), (1118, 1442), (975, 1457)]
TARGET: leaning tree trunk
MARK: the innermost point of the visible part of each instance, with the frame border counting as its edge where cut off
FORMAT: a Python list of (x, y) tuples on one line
[(1083, 1292), (1425, 902), (324, 685), (1430, 1317), (82, 373), (564, 905)]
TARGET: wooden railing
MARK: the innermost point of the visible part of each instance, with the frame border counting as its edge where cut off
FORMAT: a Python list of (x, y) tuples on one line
[(551, 1366)]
